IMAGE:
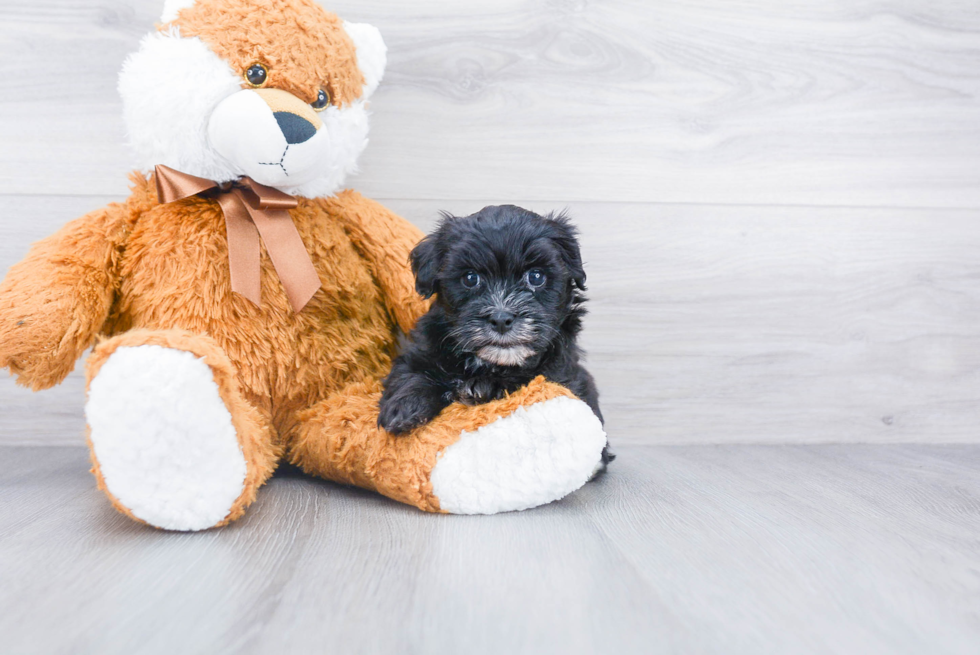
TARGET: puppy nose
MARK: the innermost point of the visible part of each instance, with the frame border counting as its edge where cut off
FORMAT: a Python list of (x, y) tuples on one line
[(295, 128), (501, 321)]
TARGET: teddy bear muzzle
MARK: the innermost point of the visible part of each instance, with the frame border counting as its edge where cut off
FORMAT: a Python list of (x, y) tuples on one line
[(271, 135)]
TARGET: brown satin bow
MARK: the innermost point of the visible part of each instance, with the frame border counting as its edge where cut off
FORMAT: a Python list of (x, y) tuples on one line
[(252, 209)]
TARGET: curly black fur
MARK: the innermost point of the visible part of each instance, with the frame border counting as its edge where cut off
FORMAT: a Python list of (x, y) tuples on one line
[(509, 306)]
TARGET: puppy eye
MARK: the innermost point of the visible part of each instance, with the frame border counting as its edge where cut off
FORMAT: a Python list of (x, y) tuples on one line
[(322, 100), (257, 74), (535, 277), (470, 279)]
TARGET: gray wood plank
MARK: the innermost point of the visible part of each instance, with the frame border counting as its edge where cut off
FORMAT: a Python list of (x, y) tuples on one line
[(715, 549), (831, 549), (717, 324), (862, 103)]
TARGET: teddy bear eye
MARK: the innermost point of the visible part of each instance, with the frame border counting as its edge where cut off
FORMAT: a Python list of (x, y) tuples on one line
[(322, 100), (256, 75), (470, 279)]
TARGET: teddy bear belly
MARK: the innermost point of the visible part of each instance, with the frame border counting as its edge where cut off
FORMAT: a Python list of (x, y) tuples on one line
[(343, 335)]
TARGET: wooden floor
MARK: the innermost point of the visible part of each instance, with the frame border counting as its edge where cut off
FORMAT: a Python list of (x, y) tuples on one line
[(707, 549)]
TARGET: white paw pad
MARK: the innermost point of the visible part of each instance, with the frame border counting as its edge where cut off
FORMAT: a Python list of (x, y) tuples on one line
[(536, 455), (164, 439)]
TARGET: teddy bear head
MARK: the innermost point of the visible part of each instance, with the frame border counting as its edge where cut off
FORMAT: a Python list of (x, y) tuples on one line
[(273, 89)]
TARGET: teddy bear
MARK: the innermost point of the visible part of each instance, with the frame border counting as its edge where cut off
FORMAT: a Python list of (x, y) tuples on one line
[(242, 306)]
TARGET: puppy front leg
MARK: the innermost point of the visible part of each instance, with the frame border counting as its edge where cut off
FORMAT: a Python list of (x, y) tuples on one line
[(409, 400)]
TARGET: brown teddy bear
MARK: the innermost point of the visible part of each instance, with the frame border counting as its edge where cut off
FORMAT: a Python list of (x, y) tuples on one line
[(243, 307)]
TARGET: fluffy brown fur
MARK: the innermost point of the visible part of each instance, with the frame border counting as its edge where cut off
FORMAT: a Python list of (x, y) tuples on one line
[(339, 442), (305, 50), (302, 386), (173, 275), (44, 330)]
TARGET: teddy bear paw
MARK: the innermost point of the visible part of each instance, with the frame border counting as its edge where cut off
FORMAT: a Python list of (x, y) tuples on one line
[(162, 438), (538, 454)]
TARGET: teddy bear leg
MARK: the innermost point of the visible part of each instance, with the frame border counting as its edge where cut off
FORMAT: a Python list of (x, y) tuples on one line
[(174, 443), (531, 448)]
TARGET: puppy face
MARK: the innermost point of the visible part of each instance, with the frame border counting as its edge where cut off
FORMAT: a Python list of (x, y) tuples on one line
[(505, 277)]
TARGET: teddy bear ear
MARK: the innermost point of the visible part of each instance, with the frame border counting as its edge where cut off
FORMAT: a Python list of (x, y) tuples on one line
[(171, 7), (371, 54)]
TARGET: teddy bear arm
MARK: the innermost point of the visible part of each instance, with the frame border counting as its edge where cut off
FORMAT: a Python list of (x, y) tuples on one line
[(385, 240), (55, 301)]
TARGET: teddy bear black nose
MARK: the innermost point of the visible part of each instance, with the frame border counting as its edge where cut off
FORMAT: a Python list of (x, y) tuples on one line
[(295, 128)]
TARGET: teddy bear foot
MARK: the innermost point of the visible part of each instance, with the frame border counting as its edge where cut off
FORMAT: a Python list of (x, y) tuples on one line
[(162, 438), (538, 454)]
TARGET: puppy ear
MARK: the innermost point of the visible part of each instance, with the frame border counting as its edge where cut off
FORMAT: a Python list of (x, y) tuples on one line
[(567, 243), (426, 261)]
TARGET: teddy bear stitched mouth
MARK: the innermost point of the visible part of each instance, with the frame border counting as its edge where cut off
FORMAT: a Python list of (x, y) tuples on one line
[(278, 163), (295, 129)]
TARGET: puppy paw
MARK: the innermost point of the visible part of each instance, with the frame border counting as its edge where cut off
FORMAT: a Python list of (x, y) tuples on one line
[(402, 414), (477, 391)]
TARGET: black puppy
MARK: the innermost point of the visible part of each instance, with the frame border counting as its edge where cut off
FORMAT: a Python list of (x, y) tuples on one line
[(508, 308)]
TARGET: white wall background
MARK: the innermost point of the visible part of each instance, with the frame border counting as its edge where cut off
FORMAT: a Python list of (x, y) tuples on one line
[(779, 199)]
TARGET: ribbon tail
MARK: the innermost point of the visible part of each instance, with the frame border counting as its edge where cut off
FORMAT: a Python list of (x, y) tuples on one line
[(173, 185), (243, 248), (288, 254)]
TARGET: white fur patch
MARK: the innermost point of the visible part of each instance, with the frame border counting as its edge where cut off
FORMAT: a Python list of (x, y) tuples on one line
[(260, 154), (164, 438), (535, 456), (169, 89), (372, 54), (505, 355)]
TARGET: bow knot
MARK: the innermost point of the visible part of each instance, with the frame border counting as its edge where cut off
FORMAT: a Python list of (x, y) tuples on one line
[(252, 210)]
